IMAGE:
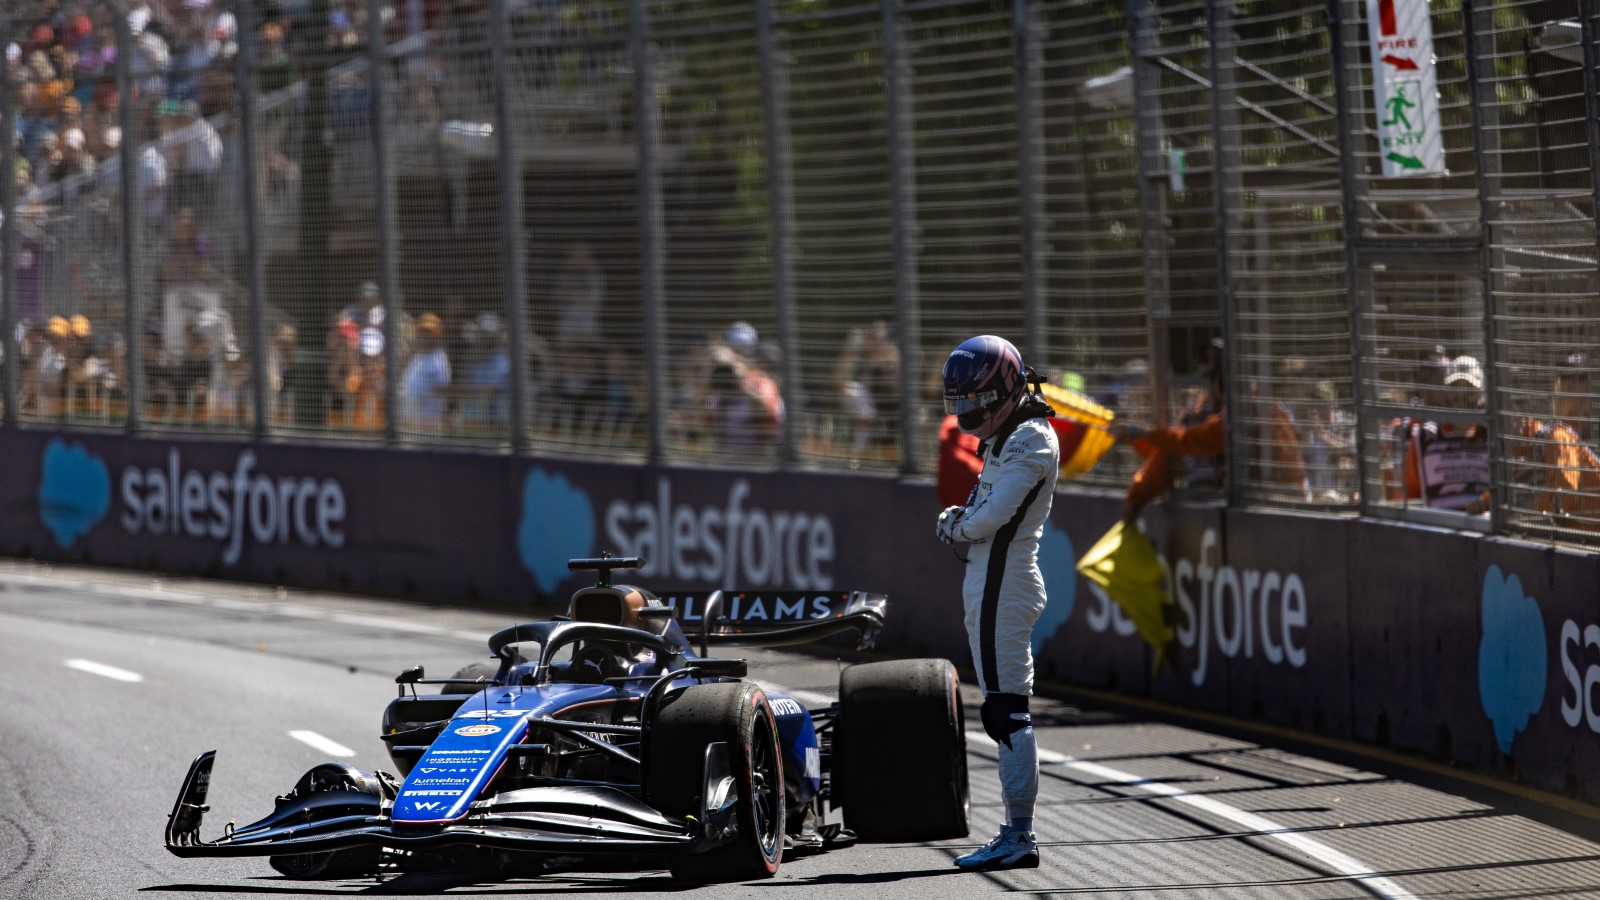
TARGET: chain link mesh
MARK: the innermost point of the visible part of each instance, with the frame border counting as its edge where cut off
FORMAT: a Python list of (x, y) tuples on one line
[(1291, 310), (1465, 300), (1098, 328), (847, 405)]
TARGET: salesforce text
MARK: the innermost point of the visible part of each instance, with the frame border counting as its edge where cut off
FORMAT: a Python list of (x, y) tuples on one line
[(731, 546), (221, 507), (1237, 608)]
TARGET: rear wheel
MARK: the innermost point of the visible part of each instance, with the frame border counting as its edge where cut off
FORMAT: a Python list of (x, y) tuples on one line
[(739, 715), (900, 751)]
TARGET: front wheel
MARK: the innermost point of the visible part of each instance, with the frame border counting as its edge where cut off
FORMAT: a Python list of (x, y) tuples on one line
[(739, 715), (352, 862), (900, 751)]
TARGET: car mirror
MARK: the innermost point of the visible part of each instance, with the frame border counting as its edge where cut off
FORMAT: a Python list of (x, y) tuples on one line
[(411, 675), (721, 668)]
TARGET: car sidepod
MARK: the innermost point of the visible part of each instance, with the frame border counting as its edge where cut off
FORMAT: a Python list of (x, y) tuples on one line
[(802, 753)]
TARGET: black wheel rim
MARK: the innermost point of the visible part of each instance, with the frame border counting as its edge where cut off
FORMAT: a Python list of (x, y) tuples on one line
[(765, 783)]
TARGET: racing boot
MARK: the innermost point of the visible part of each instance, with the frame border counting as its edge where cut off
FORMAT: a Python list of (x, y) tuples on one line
[(1012, 848)]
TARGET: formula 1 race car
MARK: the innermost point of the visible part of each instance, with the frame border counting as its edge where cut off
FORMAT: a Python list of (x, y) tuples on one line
[(604, 733)]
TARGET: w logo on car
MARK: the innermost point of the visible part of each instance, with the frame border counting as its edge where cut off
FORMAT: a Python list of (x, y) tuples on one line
[(428, 806)]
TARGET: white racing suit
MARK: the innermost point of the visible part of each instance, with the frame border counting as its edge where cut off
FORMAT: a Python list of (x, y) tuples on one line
[(1004, 590)]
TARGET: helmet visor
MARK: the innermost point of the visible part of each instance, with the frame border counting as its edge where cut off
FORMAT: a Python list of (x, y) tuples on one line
[(965, 403)]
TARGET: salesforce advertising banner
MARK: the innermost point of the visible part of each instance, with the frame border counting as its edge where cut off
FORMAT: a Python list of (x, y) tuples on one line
[(317, 517), (1464, 648)]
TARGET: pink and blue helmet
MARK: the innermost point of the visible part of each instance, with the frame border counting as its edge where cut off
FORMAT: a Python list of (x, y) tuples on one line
[(983, 383)]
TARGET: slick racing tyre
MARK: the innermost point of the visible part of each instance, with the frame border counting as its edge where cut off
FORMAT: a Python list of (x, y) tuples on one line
[(354, 862), (739, 715), (485, 670), (900, 751)]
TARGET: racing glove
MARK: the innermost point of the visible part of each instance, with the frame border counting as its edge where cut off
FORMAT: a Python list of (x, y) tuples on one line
[(949, 527)]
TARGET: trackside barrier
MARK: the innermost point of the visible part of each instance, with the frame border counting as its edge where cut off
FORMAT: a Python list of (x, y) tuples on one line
[(1465, 648)]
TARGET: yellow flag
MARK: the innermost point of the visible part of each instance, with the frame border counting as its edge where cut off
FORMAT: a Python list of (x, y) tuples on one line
[(1080, 425), (1126, 566)]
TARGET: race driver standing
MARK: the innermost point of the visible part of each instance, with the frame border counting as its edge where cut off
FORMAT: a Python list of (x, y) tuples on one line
[(986, 387)]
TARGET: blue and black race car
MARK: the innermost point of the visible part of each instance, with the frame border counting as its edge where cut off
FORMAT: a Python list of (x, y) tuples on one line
[(606, 737)]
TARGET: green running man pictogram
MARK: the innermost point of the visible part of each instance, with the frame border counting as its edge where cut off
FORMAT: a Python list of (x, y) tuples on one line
[(1398, 104)]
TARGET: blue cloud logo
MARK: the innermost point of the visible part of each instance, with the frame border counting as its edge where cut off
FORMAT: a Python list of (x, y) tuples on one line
[(1059, 565), (75, 492), (1512, 665), (557, 525)]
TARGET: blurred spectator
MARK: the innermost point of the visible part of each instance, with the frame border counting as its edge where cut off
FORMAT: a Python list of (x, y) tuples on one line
[(1444, 464), (280, 358), (1159, 446), (193, 153), (277, 70), (82, 368), (148, 64), (153, 173), (372, 369), (488, 384), (50, 365), (867, 374), (744, 405), (580, 290), (220, 348), (1331, 453), (426, 384), (187, 287), (1274, 431), (190, 375), (1566, 470), (344, 368), (368, 308)]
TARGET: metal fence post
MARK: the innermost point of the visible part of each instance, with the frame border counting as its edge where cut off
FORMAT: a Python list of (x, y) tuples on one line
[(1030, 179), (511, 199), (903, 226), (1341, 36), (132, 227), (383, 186), (780, 200), (651, 229), (1152, 200), (245, 88), (1477, 18), (1224, 176), (1591, 103), (8, 237)]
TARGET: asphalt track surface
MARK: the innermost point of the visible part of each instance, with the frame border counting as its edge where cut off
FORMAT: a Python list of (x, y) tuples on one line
[(110, 683)]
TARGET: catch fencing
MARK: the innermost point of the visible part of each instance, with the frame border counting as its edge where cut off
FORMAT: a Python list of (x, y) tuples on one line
[(746, 234)]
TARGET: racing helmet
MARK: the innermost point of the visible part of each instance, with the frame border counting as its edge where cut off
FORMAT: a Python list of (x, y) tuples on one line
[(983, 383)]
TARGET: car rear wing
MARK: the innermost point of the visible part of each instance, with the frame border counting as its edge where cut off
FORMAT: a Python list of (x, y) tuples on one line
[(776, 618)]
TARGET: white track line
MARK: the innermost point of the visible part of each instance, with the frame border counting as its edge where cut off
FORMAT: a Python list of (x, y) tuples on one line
[(318, 742), (1338, 862), (1333, 859), (103, 670)]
